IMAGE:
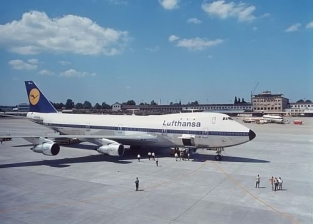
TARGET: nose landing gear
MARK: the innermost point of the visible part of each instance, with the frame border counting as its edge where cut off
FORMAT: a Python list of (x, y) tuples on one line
[(218, 157)]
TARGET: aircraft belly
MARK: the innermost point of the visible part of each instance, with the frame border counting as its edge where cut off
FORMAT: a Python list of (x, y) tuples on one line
[(167, 140), (70, 131), (102, 132)]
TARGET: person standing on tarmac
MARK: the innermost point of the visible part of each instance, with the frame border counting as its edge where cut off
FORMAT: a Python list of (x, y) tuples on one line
[(176, 156), (137, 183), (280, 183), (153, 156), (257, 182), (276, 184), (138, 157), (149, 155)]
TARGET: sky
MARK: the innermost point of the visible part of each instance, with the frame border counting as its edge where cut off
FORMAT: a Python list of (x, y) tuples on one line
[(162, 50)]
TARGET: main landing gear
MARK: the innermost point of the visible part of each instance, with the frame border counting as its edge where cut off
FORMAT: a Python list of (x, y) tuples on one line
[(218, 157)]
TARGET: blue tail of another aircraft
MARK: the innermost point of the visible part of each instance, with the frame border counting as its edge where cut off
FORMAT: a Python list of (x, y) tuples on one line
[(37, 101)]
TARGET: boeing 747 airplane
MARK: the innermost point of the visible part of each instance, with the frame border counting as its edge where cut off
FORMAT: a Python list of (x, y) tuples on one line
[(111, 132)]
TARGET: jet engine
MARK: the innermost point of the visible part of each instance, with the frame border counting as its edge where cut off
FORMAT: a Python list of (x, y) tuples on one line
[(112, 149), (47, 148)]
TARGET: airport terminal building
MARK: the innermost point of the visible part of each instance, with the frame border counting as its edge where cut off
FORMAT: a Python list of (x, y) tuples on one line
[(263, 103), (302, 109), (177, 108), (266, 102)]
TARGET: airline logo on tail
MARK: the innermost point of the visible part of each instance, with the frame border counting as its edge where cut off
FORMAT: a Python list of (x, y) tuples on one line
[(34, 96), (37, 100)]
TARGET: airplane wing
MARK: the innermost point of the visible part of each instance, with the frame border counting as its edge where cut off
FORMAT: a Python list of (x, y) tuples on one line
[(122, 139)]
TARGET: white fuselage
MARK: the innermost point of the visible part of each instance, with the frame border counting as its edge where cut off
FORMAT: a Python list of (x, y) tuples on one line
[(207, 130)]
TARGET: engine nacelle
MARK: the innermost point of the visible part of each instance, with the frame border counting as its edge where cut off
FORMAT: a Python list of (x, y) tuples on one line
[(112, 149), (48, 149)]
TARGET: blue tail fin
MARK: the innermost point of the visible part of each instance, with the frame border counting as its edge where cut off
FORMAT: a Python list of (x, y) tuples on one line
[(37, 101)]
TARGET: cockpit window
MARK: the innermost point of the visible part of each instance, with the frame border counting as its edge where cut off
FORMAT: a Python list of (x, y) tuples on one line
[(227, 118)]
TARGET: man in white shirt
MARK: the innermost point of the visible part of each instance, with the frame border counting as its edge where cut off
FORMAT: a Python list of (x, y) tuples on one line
[(280, 183), (138, 157), (257, 182), (153, 156), (149, 155), (176, 156)]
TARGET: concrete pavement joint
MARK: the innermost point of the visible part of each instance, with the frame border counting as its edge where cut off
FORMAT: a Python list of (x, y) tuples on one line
[(26, 207), (255, 197)]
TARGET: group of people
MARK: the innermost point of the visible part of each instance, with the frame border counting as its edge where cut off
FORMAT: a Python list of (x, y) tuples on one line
[(182, 156), (150, 155), (277, 183)]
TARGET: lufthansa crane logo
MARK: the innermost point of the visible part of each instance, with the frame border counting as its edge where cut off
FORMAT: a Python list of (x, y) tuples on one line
[(34, 96)]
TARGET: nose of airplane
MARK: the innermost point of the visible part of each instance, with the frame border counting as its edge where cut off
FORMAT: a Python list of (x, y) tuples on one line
[(251, 135)]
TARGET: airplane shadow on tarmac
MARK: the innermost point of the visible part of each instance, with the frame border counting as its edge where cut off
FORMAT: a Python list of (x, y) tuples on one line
[(128, 155), (66, 162), (202, 158)]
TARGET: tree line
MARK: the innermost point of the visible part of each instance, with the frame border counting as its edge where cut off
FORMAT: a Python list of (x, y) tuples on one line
[(86, 105), (238, 101), (304, 101)]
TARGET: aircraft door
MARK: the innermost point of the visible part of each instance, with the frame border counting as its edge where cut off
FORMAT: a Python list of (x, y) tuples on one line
[(213, 120), (189, 141)]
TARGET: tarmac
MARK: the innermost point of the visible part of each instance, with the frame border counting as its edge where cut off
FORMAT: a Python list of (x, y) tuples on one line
[(81, 186)]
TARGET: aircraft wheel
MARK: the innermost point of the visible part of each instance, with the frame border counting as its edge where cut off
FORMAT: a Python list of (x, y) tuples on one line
[(218, 157)]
